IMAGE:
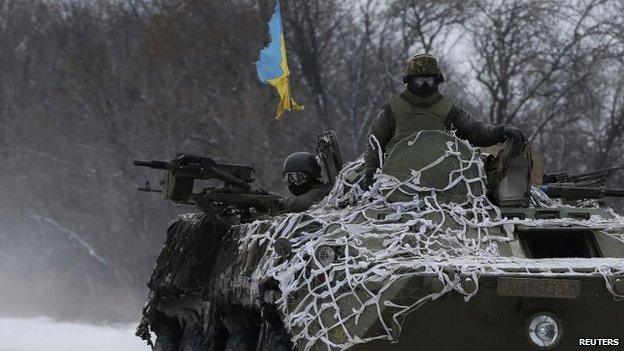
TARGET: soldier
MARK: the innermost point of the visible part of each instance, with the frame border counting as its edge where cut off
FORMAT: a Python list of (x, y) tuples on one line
[(422, 107), (302, 175)]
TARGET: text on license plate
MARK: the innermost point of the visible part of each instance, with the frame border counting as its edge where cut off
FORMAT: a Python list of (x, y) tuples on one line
[(536, 287)]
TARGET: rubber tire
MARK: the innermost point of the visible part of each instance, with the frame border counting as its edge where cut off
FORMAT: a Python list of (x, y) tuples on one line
[(277, 340), (240, 340), (165, 341), (192, 339)]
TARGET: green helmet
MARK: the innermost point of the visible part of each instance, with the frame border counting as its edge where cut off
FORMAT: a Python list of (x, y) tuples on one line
[(423, 65)]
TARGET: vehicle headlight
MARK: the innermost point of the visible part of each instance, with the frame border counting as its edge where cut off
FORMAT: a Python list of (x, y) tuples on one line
[(545, 330), (325, 255)]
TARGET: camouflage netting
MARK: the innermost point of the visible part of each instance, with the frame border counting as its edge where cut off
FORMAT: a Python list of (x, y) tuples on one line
[(380, 244)]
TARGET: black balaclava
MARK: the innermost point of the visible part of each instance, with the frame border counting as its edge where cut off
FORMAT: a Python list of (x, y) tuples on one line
[(424, 90), (300, 189)]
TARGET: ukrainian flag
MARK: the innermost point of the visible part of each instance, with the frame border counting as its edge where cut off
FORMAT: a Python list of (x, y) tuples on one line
[(272, 66)]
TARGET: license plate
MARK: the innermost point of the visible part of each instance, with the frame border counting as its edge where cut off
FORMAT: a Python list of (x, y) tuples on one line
[(535, 287)]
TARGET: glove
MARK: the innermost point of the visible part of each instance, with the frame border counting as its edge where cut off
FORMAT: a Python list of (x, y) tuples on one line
[(515, 134), (517, 138)]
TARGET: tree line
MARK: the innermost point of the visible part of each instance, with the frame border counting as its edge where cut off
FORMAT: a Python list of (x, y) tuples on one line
[(88, 86)]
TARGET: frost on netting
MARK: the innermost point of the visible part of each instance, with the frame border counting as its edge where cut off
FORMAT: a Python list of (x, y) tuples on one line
[(382, 238)]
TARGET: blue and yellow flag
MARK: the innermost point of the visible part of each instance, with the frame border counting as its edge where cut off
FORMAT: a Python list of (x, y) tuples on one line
[(272, 66)]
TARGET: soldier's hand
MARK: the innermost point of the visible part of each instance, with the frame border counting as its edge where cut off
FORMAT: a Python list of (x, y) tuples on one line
[(517, 138)]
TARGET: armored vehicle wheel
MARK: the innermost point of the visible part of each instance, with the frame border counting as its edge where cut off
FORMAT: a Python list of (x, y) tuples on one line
[(277, 340), (166, 340), (241, 340), (192, 339)]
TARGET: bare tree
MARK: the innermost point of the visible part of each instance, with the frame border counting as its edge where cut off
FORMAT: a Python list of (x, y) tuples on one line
[(521, 51), (89, 86)]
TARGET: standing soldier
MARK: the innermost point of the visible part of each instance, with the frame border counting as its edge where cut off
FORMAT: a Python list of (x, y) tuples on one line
[(422, 107)]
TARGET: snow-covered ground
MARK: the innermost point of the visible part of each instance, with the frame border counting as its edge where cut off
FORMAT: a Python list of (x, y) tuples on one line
[(41, 334)]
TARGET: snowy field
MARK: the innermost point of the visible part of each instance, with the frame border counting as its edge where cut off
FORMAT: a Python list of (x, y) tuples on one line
[(41, 334)]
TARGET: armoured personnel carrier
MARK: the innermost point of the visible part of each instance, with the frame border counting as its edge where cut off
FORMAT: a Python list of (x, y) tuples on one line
[(450, 249)]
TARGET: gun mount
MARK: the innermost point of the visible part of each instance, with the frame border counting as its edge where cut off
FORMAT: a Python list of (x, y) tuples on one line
[(237, 191), (329, 155)]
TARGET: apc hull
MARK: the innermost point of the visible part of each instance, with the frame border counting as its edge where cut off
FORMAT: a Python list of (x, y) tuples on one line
[(489, 321)]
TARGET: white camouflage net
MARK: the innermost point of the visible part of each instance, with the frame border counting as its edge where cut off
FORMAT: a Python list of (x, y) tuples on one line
[(381, 242)]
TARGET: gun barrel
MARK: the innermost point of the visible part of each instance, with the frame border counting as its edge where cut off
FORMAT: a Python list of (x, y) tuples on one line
[(227, 177), (153, 164), (614, 192), (573, 193), (587, 178), (605, 171), (577, 193)]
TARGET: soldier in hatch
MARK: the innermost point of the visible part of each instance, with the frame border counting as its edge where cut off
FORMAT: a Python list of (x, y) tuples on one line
[(422, 107), (302, 175)]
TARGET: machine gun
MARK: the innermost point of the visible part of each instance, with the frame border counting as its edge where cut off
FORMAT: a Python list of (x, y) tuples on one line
[(579, 193), (236, 193), (595, 178), (589, 185)]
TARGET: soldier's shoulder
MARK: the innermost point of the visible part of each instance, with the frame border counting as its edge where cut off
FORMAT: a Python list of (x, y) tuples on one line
[(454, 108), (395, 103), (453, 103), (321, 187), (446, 99), (393, 98), (317, 192)]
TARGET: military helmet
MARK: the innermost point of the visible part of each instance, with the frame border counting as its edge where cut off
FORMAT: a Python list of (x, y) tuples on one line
[(423, 65), (300, 167)]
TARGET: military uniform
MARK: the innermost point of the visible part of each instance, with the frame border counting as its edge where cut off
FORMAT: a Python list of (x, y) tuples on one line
[(427, 109), (407, 113), (302, 202), (302, 173)]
